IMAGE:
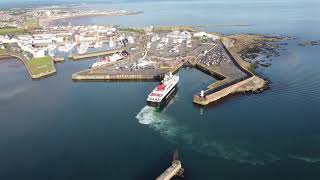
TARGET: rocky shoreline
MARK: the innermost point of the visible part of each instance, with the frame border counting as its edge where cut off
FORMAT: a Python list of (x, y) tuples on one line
[(51, 21), (310, 43), (252, 46), (252, 51)]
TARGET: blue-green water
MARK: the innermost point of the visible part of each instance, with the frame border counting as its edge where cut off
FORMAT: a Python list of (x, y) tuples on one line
[(59, 129)]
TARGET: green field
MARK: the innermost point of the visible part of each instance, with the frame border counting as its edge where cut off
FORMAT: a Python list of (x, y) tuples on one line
[(31, 24), (11, 30), (173, 28), (134, 30), (3, 52), (40, 65)]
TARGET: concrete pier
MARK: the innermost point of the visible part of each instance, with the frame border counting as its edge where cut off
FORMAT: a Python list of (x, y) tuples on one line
[(172, 171), (251, 84), (115, 77), (230, 84), (110, 72), (58, 59), (94, 54)]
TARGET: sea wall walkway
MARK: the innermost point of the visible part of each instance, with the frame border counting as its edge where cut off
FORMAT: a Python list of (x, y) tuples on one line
[(172, 171), (220, 89)]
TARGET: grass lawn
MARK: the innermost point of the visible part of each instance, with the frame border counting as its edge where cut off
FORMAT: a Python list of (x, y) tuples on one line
[(3, 52), (139, 31), (31, 24), (173, 28), (40, 65), (11, 30)]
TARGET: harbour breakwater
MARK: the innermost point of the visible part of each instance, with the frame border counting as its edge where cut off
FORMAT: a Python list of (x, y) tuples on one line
[(94, 54), (116, 77), (239, 85), (245, 82), (33, 75)]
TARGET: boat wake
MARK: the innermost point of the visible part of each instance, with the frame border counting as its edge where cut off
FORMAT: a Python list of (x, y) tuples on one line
[(308, 159), (311, 153), (179, 134), (7, 94)]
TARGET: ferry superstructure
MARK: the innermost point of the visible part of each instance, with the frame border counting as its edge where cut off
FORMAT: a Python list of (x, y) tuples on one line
[(110, 59), (163, 93)]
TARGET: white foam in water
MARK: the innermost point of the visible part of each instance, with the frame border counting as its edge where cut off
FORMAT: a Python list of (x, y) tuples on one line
[(8, 94), (177, 133), (309, 157), (306, 158), (146, 115), (158, 121)]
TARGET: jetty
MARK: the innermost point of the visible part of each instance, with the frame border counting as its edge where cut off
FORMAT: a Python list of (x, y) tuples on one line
[(245, 81), (174, 170), (94, 54), (58, 59), (118, 72)]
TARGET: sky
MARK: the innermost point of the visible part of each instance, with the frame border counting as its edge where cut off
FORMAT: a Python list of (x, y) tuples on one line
[(94, 1), (22, 3)]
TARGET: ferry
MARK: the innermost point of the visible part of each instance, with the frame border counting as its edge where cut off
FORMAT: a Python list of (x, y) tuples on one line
[(110, 59), (164, 92)]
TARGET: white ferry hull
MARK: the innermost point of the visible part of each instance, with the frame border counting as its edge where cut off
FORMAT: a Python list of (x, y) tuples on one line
[(165, 100)]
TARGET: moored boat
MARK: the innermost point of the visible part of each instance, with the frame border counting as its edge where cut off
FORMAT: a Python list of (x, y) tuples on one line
[(109, 59)]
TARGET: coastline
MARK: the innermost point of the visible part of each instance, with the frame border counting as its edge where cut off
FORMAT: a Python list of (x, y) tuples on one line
[(50, 21)]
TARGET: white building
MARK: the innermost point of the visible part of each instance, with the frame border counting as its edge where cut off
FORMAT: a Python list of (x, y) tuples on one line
[(48, 13), (7, 40), (204, 34), (1, 39), (24, 40), (155, 38), (111, 43), (130, 39), (200, 34), (87, 38), (58, 39), (37, 53), (42, 41)]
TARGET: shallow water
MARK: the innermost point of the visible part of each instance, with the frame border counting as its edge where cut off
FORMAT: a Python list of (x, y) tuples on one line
[(59, 129)]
